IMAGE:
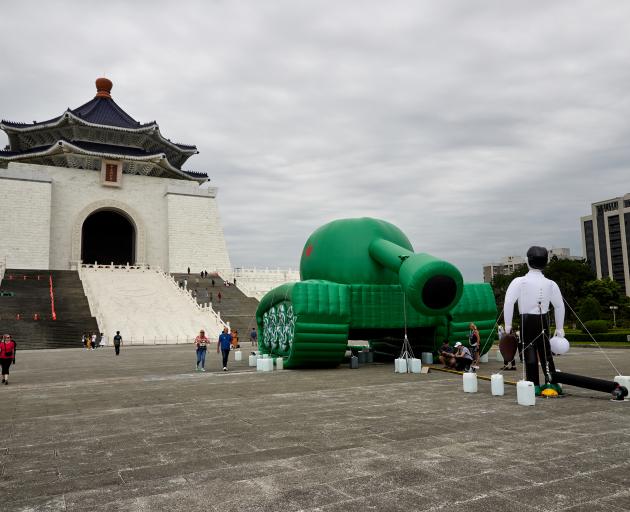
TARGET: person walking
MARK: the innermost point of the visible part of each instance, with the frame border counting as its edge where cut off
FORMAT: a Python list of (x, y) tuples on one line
[(201, 344), (219, 297), (225, 341), (253, 337), (117, 342), (7, 356)]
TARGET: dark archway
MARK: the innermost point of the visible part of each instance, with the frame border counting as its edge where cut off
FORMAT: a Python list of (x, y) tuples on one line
[(108, 236)]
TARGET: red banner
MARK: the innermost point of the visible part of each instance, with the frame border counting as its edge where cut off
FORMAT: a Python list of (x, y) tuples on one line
[(52, 299)]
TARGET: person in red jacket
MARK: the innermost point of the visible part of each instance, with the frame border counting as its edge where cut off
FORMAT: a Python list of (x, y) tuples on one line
[(7, 356)]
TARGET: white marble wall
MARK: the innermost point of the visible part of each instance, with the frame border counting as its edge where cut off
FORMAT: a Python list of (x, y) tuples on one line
[(45, 230), (25, 206)]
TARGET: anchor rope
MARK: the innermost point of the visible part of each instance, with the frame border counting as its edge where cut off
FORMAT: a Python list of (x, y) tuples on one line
[(594, 340), (406, 352)]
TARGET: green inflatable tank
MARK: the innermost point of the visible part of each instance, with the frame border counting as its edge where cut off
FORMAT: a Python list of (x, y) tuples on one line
[(361, 280)]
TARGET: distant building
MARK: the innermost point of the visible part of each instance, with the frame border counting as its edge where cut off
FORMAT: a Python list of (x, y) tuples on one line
[(508, 265), (511, 263), (606, 241)]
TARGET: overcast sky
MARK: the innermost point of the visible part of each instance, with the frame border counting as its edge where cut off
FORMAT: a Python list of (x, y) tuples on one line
[(479, 128)]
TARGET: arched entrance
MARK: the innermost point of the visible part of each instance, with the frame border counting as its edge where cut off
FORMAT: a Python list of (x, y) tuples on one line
[(108, 236)]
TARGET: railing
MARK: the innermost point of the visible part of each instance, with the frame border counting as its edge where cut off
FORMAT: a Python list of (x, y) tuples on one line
[(95, 311), (147, 340), (255, 282), (207, 307)]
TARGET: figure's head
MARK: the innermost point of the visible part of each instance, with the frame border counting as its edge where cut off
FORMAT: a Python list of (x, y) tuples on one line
[(537, 257), (117, 332)]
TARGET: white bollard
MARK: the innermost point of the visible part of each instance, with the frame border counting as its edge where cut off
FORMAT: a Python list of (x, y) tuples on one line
[(267, 365), (252, 360), (498, 356), (279, 363), (525, 392), (484, 358), (497, 385), (427, 357), (470, 382), (238, 355), (260, 365), (416, 365)]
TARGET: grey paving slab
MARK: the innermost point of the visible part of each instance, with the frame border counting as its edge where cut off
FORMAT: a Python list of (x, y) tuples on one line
[(86, 431)]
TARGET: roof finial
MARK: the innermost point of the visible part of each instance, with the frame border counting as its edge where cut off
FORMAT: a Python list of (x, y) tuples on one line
[(103, 87)]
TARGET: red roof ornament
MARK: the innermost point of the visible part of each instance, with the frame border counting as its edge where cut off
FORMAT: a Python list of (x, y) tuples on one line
[(103, 87)]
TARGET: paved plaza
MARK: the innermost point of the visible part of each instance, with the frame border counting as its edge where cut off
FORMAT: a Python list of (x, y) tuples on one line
[(88, 431)]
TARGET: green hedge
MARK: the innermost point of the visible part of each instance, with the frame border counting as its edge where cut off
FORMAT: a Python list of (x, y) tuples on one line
[(608, 336), (595, 326)]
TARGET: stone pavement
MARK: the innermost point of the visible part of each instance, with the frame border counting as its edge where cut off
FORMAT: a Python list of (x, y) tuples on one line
[(86, 431)]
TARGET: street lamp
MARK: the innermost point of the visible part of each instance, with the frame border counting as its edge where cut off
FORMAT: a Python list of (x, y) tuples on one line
[(614, 312)]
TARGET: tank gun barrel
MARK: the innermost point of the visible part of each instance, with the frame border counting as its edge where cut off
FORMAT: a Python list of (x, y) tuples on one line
[(432, 286)]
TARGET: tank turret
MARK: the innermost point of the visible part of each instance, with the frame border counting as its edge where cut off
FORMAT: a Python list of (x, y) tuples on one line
[(372, 251)]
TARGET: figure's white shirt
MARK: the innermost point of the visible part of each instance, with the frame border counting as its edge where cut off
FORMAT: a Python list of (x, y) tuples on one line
[(534, 292)]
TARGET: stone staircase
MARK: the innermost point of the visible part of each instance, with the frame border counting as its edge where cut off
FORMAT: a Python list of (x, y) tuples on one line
[(235, 307), (31, 295)]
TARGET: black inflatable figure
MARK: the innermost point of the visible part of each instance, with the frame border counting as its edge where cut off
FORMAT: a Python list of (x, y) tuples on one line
[(534, 293)]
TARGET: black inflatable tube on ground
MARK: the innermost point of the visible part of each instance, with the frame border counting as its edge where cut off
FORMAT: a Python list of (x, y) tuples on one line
[(580, 381)]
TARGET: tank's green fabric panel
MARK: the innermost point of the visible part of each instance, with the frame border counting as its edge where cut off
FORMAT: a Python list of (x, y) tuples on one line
[(381, 306), (306, 323), (314, 344), (477, 305), (477, 301), (321, 300), (269, 333), (338, 251)]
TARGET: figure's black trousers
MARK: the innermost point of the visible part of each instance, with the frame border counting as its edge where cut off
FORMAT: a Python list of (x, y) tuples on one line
[(535, 340)]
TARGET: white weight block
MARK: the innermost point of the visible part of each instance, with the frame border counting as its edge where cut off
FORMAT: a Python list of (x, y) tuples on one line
[(497, 385), (623, 380), (525, 392), (470, 382)]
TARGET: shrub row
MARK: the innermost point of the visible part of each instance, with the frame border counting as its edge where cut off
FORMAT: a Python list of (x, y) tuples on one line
[(595, 326), (607, 336)]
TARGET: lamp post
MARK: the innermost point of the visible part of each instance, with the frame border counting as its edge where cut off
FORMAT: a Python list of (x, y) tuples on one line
[(614, 312)]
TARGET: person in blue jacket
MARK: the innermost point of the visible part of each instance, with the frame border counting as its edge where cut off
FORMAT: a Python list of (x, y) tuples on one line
[(225, 342)]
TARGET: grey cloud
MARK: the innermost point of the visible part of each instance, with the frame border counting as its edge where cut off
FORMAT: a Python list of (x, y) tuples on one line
[(477, 128)]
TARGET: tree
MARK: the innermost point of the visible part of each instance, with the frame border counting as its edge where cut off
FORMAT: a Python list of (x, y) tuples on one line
[(571, 277), (589, 309), (606, 291)]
